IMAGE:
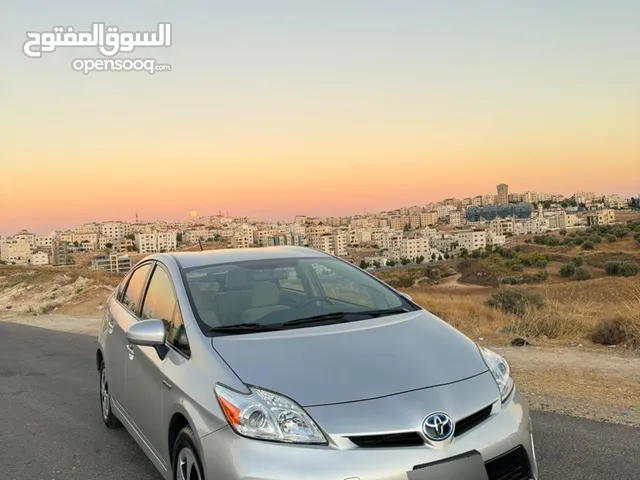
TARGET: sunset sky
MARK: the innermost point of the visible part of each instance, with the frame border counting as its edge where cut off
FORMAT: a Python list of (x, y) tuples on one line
[(276, 108)]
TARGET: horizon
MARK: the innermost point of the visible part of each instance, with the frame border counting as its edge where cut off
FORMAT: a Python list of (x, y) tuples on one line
[(290, 219), (321, 110)]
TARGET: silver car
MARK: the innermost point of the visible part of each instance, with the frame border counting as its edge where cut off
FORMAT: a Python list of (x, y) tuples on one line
[(286, 363)]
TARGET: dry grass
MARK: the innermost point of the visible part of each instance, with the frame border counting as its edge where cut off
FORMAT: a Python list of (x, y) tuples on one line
[(572, 311)]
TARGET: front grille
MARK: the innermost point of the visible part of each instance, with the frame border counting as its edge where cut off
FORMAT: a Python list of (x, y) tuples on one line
[(412, 439), (472, 421), (408, 439), (513, 465)]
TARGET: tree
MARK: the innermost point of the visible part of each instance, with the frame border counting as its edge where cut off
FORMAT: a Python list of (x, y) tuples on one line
[(376, 264), (179, 237), (420, 259), (464, 253), (391, 263), (433, 256), (363, 265), (405, 261), (563, 231), (108, 245), (76, 244), (447, 256), (131, 237), (581, 273), (439, 258), (216, 238)]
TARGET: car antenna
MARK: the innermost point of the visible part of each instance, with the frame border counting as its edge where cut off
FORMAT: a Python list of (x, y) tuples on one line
[(200, 243)]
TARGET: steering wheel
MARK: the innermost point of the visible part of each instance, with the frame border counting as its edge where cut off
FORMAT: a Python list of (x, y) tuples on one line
[(316, 299)]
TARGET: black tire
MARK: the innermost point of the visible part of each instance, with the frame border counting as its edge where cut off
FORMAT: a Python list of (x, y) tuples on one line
[(108, 417), (186, 441)]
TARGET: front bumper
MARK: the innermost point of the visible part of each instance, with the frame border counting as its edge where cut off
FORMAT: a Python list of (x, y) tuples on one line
[(227, 456)]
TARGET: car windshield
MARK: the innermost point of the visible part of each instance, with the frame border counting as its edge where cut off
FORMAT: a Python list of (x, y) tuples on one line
[(270, 292)]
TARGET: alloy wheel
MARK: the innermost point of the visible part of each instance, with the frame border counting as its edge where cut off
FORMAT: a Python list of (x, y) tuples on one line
[(104, 394), (187, 467)]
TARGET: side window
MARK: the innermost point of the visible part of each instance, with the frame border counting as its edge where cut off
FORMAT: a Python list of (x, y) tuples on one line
[(342, 288), (133, 293), (160, 303)]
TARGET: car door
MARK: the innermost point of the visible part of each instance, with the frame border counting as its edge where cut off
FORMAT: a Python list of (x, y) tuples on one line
[(120, 315), (145, 380)]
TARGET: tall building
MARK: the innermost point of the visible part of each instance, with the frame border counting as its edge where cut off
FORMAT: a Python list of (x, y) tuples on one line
[(503, 193)]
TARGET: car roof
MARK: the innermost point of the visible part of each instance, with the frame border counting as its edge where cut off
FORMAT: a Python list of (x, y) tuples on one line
[(231, 255)]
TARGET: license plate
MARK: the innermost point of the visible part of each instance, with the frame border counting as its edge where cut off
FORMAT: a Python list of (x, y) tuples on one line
[(468, 466)]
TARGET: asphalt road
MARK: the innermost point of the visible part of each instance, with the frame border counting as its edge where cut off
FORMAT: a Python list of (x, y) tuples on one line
[(51, 427)]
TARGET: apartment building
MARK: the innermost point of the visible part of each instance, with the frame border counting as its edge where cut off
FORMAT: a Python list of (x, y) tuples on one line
[(44, 241), (156, 241), (532, 226), (398, 222), (428, 218), (496, 240), (502, 226), (39, 258), (562, 220), (332, 243), (601, 217), (615, 201), (471, 239), (413, 247), (60, 253), (456, 218), (285, 239), (113, 263), (88, 241), (15, 251), (26, 237), (115, 230)]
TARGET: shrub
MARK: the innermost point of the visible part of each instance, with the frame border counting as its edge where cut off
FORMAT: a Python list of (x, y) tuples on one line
[(622, 269), (581, 273), (567, 270), (541, 264), (611, 238), (528, 240), (515, 301), (587, 245), (610, 332), (577, 261), (517, 267), (578, 241)]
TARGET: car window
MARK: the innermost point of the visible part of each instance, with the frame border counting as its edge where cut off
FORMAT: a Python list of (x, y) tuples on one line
[(160, 303), (262, 291), (133, 292), (345, 283), (292, 282)]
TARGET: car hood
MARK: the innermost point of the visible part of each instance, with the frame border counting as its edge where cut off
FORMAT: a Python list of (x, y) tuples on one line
[(353, 361)]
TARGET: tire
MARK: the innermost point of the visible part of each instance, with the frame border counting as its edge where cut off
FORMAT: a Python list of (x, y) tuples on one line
[(107, 415), (186, 457)]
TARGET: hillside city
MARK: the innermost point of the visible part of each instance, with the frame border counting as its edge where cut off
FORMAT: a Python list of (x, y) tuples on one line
[(442, 230)]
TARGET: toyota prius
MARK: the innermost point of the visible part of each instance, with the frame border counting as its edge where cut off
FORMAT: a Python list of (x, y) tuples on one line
[(286, 363)]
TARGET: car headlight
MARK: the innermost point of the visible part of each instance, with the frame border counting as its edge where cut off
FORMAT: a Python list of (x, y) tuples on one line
[(499, 368), (265, 415)]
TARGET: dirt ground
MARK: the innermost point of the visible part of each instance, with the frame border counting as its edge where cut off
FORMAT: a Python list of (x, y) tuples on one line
[(597, 383)]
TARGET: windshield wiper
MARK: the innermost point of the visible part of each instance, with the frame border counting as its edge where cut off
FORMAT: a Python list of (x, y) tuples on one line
[(342, 317), (245, 328)]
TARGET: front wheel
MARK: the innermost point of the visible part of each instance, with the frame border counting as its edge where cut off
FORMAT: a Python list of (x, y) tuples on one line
[(108, 417), (186, 459)]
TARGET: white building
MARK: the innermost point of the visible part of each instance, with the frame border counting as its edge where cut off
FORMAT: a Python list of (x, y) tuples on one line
[(471, 239), (156, 241), (39, 258)]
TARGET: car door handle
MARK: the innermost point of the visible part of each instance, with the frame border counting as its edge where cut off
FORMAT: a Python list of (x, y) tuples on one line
[(131, 351)]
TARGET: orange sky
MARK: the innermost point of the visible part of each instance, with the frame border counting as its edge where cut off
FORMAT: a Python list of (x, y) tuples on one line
[(303, 114)]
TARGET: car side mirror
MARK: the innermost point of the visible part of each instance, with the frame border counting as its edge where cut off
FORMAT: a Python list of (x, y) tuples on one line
[(147, 333)]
